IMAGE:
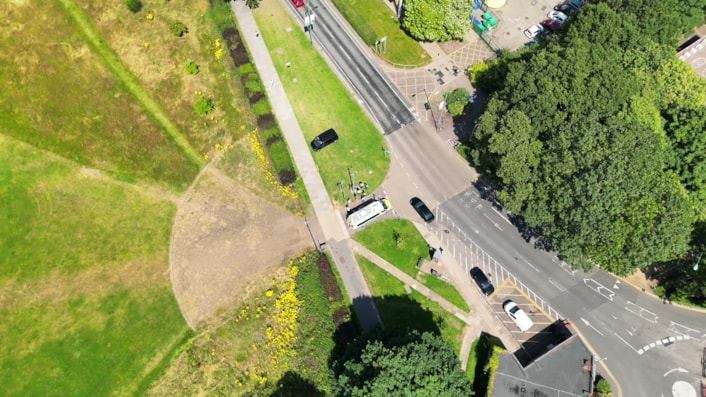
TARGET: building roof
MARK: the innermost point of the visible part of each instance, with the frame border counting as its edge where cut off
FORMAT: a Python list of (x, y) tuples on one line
[(564, 370)]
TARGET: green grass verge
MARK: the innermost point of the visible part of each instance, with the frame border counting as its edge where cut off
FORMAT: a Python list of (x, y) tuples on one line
[(373, 20), (404, 253), (403, 311), (87, 304), (445, 290), (320, 101)]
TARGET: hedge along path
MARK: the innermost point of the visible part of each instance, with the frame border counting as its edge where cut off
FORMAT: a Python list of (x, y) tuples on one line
[(110, 59)]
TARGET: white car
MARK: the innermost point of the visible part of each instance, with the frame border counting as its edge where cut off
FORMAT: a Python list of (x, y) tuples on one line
[(517, 315), (558, 16), (533, 31)]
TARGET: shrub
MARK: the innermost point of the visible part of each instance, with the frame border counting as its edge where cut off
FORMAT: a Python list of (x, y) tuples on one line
[(191, 68), (456, 101), (178, 28), (603, 388), (262, 107), (203, 106), (134, 5)]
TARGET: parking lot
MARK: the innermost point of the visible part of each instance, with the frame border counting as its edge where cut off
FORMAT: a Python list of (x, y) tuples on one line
[(546, 331), (516, 16)]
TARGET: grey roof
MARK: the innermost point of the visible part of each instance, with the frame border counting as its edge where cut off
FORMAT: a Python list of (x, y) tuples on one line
[(563, 371)]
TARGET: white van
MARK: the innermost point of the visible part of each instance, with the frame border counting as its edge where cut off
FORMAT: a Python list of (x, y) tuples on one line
[(517, 315), (367, 212)]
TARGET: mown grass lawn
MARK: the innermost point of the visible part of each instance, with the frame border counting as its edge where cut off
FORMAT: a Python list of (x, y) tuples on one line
[(399, 242), (403, 311), (320, 101), (86, 299), (373, 20)]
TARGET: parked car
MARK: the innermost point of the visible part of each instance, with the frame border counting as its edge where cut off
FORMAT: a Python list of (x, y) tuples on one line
[(558, 16), (551, 25), (569, 6), (517, 315), (422, 209), (298, 3), (533, 31), (483, 283), (324, 139)]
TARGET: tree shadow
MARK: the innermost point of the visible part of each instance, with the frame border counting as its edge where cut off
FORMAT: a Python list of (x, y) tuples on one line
[(400, 314), (464, 125), (291, 384)]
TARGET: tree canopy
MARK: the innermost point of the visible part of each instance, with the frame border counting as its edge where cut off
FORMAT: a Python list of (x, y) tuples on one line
[(597, 139), (437, 20), (384, 364)]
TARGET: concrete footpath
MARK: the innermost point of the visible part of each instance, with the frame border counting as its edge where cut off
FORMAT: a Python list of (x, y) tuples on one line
[(330, 222)]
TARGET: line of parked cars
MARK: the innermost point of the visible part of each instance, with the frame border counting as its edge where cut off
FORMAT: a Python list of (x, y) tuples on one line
[(555, 19)]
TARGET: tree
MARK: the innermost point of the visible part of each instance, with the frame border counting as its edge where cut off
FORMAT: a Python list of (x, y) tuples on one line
[(252, 4), (437, 20), (456, 101), (583, 153), (384, 364)]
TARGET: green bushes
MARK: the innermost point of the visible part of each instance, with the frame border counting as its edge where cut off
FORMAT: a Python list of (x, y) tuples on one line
[(134, 5), (191, 68), (178, 28), (203, 106)]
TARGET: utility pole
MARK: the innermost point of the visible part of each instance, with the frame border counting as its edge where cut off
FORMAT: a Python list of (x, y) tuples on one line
[(431, 108)]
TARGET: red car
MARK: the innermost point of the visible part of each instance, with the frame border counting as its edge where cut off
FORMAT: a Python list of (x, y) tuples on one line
[(298, 3), (551, 25)]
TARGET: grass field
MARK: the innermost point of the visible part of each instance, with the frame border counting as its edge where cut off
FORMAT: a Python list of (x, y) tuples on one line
[(98, 136), (62, 98), (233, 355), (320, 101), (405, 254), (373, 20), (400, 310), (86, 301)]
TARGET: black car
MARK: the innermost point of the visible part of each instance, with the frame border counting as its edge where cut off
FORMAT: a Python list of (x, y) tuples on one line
[(324, 139), (422, 209), (566, 8), (483, 283)]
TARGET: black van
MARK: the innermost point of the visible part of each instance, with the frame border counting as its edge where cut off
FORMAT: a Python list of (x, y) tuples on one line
[(324, 139)]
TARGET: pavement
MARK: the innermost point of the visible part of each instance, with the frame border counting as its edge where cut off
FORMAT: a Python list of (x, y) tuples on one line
[(329, 231)]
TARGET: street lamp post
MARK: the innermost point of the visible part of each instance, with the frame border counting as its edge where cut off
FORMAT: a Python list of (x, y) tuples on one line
[(350, 175), (696, 266), (431, 108)]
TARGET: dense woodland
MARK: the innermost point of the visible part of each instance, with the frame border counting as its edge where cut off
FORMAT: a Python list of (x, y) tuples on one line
[(596, 137)]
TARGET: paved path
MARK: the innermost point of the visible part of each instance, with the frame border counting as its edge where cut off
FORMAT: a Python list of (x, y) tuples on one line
[(330, 222)]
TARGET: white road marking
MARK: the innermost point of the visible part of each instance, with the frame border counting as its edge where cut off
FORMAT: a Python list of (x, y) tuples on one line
[(675, 369), (626, 342), (559, 287), (600, 288), (591, 326)]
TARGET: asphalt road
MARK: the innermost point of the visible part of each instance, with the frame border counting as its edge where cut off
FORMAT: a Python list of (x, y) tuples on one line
[(624, 325), (378, 96)]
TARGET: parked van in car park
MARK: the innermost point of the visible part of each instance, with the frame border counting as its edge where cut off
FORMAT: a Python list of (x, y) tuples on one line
[(367, 212), (517, 315), (324, 139), (483, 283)]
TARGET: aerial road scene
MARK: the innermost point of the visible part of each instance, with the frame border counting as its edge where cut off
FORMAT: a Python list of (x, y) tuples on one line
[(370, 198)]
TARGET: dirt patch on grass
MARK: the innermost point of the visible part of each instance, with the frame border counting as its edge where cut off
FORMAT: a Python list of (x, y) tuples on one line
[(223, 238)]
